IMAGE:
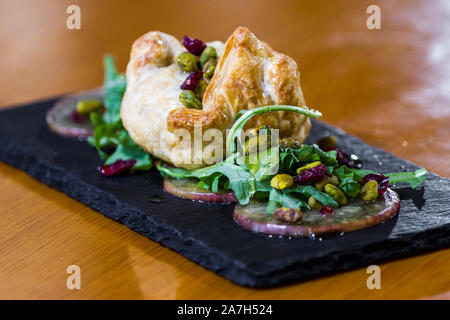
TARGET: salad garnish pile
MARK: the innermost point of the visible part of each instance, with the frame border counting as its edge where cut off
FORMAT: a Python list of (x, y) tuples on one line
[(110, 137)]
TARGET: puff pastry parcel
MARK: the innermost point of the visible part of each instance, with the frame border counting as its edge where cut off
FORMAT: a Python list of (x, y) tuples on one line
[(249, 74)]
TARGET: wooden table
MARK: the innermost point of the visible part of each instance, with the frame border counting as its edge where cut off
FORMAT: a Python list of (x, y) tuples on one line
[(389, 86)]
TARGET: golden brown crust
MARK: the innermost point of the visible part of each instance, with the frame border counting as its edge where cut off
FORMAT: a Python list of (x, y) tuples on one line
[(152, 49), (189, 118), (249, 74)]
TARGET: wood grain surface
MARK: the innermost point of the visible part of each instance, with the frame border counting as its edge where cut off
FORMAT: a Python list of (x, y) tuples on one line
[(390, 87)]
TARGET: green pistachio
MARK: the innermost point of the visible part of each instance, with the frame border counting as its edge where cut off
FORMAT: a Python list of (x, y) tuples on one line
[(208, 69), (337, 194), (314, 204), (208, 53), (187, 61), (189, 100), (326, 180), (369, 191), (88, 106), (281, 181), (200, 89)]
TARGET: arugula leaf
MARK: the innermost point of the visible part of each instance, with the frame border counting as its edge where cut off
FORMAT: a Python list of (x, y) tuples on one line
[(104, 134), (267, 164), (109, 131), (173, 172), (343, 172), (358, 174), (126, 149), (238, 179), (235, 178), (281, 198), (328, 158), (114, 135), (310, 191), (114, 85), (349, 180), (350, 187), (297, 197), (306, 154), (414, 178)]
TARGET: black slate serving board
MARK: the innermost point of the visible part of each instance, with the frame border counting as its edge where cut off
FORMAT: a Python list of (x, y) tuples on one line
[(206, 233)]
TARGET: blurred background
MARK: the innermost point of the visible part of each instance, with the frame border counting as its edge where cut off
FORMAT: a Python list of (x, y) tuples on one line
[(390, 87)]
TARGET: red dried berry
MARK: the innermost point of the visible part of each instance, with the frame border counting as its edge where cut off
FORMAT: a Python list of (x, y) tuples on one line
[(194, 46), (192, 80), (76, 117), (116, 168), (342, 158), (383, 181), (311, 175), (327, 210)]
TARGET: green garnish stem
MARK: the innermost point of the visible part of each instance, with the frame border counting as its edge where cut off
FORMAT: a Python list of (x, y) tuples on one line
[(239, 124), (407, 176)]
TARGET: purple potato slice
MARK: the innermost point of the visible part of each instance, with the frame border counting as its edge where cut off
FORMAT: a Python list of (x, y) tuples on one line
[(58, 117), (355, 216), (189, 189)]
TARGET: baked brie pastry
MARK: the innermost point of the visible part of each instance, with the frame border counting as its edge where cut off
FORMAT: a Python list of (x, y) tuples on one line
[(248, 74)]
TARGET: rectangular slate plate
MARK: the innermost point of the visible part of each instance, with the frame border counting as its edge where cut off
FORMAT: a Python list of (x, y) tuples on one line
[(206, 233)]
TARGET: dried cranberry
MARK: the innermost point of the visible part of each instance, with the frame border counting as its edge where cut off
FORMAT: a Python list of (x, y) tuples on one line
[(327, 210), (116, 168), (383, 181), (311, 175), (342, 158), (76, 117), (191, 81), (194, 46)]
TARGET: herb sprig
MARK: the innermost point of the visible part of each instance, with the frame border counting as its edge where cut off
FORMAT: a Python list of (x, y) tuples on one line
[(109, 132)]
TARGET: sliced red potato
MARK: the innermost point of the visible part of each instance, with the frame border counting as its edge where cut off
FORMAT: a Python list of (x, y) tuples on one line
[(355, 216), (189, 189), (59, 116)]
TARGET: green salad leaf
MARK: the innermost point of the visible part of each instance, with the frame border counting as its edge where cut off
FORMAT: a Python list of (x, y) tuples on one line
[(414, 178), (267, 164), (281, 198), (349, 181), (291, 158), (297, 197), (233, 177), (114, 86), (108, 129)]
